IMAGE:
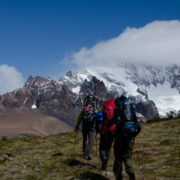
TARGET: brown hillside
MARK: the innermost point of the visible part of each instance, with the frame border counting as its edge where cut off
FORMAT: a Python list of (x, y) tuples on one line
[(29, 123)]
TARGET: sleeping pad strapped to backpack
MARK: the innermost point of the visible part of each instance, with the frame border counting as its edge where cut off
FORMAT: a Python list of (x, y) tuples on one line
[(108, 112)]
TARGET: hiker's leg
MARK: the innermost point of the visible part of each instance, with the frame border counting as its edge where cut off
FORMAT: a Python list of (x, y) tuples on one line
[(128, 160), (84, 142), (109, 144), (103, 159), (102, 147), (102, 151), (108, 152), (90, 141), (102, 154), (129, 168), (117, 169)]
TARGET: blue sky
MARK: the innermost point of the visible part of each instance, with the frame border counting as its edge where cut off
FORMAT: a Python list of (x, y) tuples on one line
[(35, 35)]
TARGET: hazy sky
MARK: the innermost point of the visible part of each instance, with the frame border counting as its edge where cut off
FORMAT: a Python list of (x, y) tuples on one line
[(37, 36)]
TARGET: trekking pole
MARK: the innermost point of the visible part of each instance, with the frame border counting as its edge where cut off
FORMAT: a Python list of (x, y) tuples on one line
[(96, 144), (137, 152), (75, 141)]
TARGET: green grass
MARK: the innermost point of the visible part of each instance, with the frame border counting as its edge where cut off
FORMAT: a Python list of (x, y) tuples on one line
[(55, 157)]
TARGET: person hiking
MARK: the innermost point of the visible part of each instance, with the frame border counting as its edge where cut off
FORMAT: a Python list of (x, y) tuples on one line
[(107, 134), (88, 125), (127, 127)]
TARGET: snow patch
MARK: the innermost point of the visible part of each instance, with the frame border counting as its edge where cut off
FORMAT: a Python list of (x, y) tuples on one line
[(33, 106), (166, 98), (76, 90), (115, 79)]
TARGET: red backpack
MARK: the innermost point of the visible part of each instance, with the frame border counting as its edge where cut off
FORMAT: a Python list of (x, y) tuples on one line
[(108, 112)]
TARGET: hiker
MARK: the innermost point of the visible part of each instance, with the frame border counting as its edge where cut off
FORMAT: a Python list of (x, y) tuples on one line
[(107, 134), (88, 125), (127, 127)]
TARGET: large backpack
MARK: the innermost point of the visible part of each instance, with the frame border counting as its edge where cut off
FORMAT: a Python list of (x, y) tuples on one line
[(108, 109), (108, 112), (130, 125), (89, 110)]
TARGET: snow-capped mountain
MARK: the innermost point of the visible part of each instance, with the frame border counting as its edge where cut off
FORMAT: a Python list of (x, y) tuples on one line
[(160, 84), (64, 99), (43, 94), (151, 89)]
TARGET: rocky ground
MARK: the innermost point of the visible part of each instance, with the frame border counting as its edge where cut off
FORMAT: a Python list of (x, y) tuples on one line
[(55, 157)]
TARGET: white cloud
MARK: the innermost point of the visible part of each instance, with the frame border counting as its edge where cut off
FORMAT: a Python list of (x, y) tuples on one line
[(10, 79), (156, 43)]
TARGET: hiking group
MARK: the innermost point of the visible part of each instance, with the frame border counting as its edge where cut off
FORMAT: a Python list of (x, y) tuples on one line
[(117, 123)]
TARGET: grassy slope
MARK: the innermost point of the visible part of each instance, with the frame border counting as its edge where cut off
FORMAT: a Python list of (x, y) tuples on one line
[(54, 157)]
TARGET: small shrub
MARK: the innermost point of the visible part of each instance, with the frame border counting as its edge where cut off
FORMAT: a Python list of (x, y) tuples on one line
[(3, 138)]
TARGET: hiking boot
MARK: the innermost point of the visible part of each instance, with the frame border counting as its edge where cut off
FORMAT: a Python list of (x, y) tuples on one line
[(104, 165), (119, 177), (132, 177), (89, 158)]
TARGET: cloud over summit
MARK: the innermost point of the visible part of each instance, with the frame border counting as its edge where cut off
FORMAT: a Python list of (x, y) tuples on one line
[(10, 79), (157, 43)]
